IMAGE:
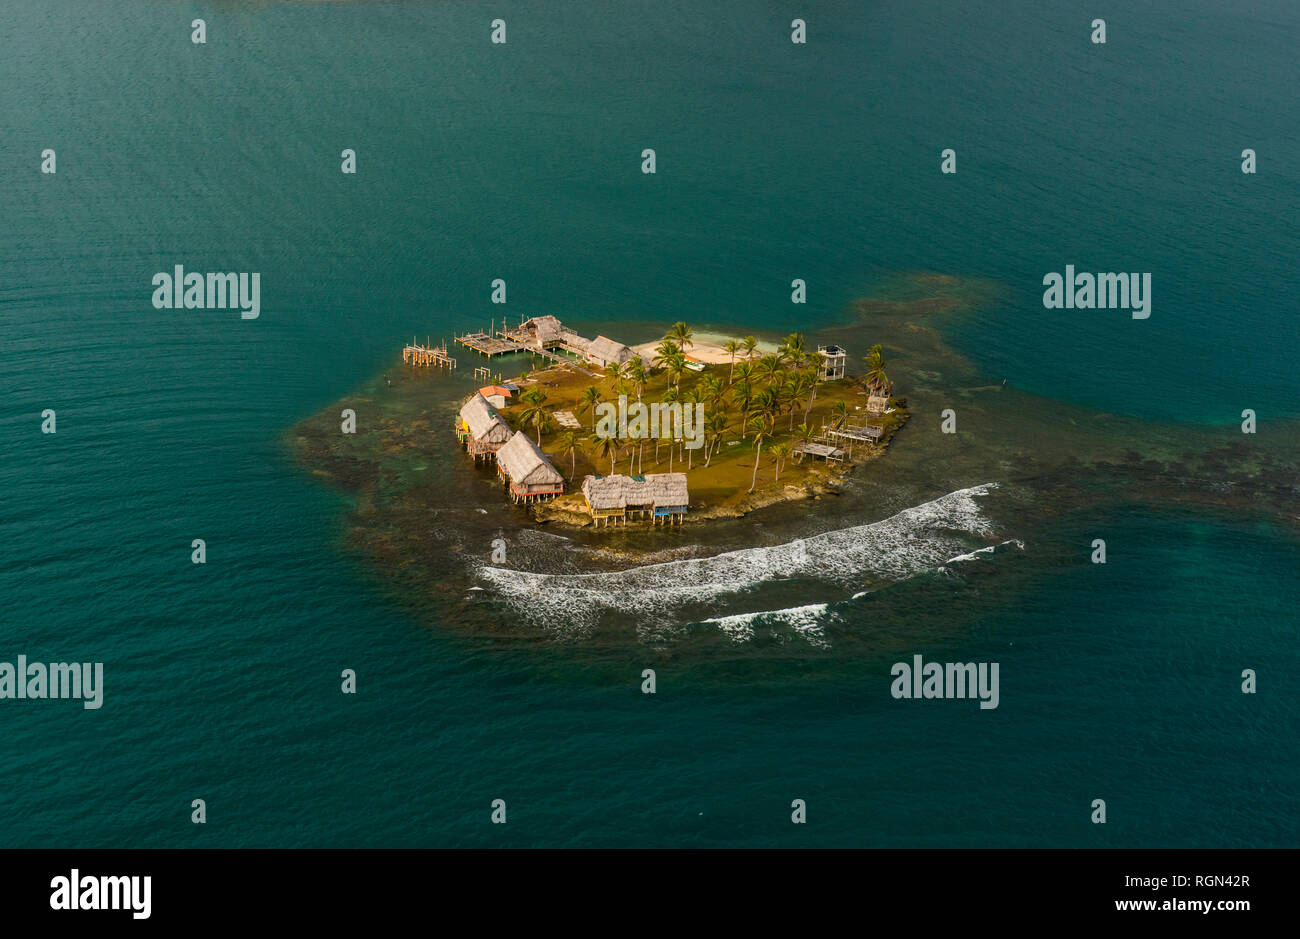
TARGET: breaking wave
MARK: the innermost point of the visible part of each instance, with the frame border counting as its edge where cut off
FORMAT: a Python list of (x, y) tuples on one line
[(808, 621), (923, 537), (974, 555)]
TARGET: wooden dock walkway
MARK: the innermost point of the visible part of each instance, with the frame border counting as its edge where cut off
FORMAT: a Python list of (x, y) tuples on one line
[(427, 354), (502, 344), (484, 344)]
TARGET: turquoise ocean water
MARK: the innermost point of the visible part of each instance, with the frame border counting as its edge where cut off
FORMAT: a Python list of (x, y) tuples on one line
[(522, 162)]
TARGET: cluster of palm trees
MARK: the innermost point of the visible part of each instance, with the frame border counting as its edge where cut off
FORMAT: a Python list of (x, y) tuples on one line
[(758, 393), (762, 389)]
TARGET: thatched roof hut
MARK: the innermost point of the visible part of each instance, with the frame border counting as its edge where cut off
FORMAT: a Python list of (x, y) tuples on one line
[(605, 351), (482, 425), (539, 331), (527, 469), (667, 491), (606, 493), (661, 494)]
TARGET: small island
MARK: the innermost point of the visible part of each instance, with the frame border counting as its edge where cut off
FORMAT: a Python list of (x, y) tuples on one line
[(444, 524), (672, 431)]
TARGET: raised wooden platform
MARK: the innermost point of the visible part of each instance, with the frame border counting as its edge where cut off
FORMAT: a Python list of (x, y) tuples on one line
[(487, 345)]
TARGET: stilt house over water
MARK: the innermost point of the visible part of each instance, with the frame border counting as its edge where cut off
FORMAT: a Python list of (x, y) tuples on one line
[(527, 471), (480, 428), (657, 496)]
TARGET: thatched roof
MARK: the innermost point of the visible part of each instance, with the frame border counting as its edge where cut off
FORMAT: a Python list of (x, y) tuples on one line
[(526, 464), (618, 492), (608, 351), (667, 488), (606, 492), (483, 421), (546, 328)]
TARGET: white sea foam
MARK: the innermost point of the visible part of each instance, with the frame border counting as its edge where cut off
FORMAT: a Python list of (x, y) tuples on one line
[(919, 538), (972, 555), (808, 621)]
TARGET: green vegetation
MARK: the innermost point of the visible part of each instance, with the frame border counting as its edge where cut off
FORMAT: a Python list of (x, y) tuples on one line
[(753, 407)]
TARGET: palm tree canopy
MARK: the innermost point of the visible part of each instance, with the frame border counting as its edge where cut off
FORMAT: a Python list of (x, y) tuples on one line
[(681, 334)]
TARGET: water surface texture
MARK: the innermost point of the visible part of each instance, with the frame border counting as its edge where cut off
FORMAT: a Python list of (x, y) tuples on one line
[(522, 161)]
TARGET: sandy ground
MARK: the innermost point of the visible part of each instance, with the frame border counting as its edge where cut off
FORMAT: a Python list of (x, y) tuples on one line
[(706, 349)]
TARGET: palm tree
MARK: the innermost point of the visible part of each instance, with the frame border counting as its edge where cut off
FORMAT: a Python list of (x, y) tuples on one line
[(743, 372), (681, 334), (570, 446), (692, 398), (778, 453), (606, 448), (711, 390), (676, 368), (763, 405), (613, 371), (716, 425), (804, 434), (805, 383), (663, 352), (535, 414), (731, 347), (762, 429), (750, 345), (787, 396), (769, 367), (636, 373), (670, 395), (590, 398), (879, 380), (875, 359), (839, 414), (742, 392)]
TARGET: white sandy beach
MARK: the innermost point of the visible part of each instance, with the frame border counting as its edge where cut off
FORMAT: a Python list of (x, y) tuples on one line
[(707, 347)]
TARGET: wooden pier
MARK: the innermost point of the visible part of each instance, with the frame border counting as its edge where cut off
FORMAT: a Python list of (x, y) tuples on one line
[(503, 344), (484, 344), (427, 354)]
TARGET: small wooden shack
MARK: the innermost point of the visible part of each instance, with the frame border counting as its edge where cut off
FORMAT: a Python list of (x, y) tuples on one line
[(877, 404), (822, 451), (658, 496), (497, 395), (527, 471), (480, 428)]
